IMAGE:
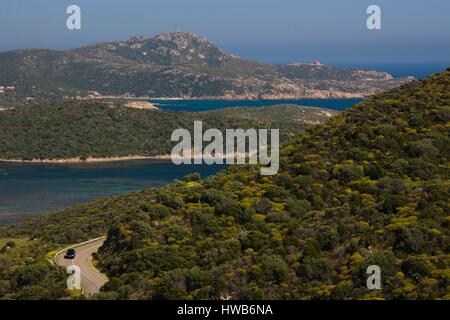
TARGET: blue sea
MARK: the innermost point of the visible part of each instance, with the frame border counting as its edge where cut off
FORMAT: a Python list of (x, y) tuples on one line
[(206, 105), (31, 189), (416, 70)]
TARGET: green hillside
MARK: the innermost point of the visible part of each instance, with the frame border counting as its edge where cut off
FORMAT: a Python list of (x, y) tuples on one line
[(101, 129), (370, 187), (177, 64)]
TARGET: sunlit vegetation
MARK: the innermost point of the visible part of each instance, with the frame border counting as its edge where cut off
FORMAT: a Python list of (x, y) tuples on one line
[(25, 273), (370, 187)]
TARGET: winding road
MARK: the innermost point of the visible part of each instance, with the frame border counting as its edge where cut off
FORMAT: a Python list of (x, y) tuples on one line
[(91, 279)]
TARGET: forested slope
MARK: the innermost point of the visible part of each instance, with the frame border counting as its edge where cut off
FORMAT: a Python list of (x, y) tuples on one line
[(177, 64), (370, 187), (99, 129)]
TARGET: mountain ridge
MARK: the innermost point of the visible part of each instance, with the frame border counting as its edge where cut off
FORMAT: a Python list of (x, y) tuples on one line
[(176, 65)]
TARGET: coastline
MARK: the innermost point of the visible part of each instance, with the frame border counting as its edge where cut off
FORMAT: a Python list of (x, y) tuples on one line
[(87, 160), (163, 157)]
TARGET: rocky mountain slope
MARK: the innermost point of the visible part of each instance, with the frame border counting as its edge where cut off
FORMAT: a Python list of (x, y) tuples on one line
[(179, 65)]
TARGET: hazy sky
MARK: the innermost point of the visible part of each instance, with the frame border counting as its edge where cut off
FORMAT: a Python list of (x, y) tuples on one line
[(276, 31)]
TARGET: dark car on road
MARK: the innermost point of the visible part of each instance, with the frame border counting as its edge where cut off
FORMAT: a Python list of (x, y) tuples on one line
[(70, 254)]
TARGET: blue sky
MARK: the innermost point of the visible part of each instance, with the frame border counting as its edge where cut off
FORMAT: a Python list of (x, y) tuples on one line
[(275, 31)]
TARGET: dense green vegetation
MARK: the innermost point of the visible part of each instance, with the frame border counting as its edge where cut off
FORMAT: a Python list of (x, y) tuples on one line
[(25, 272), (370, 187), (99, 129)]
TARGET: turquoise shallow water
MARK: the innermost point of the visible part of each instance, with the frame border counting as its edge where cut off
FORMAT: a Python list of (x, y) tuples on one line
[(31, 189)]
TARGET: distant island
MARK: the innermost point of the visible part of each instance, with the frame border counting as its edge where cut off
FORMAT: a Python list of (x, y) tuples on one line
[(175, 65)]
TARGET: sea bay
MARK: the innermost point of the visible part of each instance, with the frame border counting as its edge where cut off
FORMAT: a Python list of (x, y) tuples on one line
[(206, 105), (30, 189)]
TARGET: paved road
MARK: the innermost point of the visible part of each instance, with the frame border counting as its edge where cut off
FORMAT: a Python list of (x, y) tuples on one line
[(91, 279)]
